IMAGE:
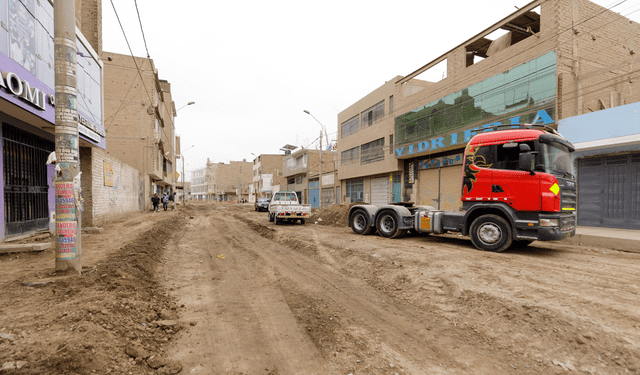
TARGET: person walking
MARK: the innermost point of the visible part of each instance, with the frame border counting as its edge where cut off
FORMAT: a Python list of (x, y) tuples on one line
[(172, 199), (165, 201), (155, 200)]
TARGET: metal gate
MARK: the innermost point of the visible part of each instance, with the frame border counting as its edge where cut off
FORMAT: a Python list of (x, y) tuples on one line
[(26, 203), (609, 191)]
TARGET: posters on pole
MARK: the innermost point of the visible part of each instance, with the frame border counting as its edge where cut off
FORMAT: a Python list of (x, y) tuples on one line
[(66, 224)]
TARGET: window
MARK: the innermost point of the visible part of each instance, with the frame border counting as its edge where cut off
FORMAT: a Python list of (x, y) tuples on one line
[(291, 181), (508, 154), (298, 179), (350, 156), (372, 114), (372, 151), (391, 104), (355, 190), (350, 126), (391, 144)]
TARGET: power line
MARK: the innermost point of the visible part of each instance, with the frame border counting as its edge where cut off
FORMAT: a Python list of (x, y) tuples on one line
[(141, 29), (135, 62)]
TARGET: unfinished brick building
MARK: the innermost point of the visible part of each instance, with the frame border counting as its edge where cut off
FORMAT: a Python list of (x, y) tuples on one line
[(550, 60)]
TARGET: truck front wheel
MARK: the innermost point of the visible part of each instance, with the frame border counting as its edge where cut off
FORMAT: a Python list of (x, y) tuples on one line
[(360, 222), (491, 233), (387, 225)]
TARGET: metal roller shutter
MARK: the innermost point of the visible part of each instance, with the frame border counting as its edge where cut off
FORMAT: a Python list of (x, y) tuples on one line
[(380, 191), (609, 191)]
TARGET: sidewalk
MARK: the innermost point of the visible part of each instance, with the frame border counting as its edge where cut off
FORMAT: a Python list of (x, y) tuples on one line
[(618, 239)]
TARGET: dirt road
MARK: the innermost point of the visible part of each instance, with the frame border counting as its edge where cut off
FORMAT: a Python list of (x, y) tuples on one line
[(217, 289)]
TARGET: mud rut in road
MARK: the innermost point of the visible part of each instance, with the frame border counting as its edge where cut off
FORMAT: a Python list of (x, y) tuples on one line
[(310, 299)]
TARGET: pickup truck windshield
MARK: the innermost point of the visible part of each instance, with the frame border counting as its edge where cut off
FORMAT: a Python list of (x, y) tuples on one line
[(284, 197), (557, 159)]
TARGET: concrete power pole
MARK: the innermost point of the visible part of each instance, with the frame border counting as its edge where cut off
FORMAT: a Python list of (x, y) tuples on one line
[(67, 185), (320, 179)]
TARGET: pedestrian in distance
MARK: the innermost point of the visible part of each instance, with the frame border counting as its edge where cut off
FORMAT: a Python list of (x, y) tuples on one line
[(172, 199), (155, 200), (165, 201)]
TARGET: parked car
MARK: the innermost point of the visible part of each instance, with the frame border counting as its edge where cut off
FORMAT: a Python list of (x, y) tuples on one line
[(261, 204)]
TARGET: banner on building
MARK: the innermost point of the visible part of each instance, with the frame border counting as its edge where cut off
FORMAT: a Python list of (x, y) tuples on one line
[(108, 174)]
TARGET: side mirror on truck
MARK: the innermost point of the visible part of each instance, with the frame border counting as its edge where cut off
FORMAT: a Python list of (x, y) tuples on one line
[(525, 162)]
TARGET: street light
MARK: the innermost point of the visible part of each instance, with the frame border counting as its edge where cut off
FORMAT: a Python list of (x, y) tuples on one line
[(320, 172), (190, 103), (184, 202)]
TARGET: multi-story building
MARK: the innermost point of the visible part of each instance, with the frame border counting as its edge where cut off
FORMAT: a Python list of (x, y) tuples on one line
[(224, 182), (27, 93), (301, 169), (141, 121), (267, 170), (199, 184), (548, 61), (231, 182)]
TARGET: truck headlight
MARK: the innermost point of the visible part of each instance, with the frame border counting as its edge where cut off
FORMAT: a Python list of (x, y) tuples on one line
[(549, 223)]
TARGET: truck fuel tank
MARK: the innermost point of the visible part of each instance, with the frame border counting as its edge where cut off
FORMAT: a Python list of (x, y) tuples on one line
[(429, 221)]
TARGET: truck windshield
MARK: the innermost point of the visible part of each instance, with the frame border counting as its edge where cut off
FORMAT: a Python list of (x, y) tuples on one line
[(557, 159)]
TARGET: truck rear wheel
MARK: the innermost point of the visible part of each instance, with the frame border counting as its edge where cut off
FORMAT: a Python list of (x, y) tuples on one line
[(278, 221), (387, 225), (360, 222), (491, 233), (270, 217), (302, 221)]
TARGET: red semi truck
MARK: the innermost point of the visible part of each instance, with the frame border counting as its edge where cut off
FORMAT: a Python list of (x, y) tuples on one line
[(517, 188)]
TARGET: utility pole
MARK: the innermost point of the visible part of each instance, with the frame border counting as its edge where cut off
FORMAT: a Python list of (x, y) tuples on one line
[(67, 181), (320, 178)]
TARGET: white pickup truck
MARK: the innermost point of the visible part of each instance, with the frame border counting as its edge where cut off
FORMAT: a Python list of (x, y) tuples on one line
[(285, 206)]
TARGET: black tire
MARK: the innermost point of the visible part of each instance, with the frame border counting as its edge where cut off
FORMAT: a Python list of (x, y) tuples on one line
[(359, 222), (278, 221), (491, 233), (302, 221), (270, 217), (387, 224)]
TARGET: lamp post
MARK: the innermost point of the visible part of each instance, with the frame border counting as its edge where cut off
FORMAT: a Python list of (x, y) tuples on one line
[(320, 171), (184, 202), (190, 103)]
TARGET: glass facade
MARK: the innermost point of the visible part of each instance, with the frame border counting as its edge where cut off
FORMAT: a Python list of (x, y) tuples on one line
[(350, 156), (354, 190), (350, 126), (372, 151), (521, 93)]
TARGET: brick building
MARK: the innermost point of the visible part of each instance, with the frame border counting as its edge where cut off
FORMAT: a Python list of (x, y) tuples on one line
[(225, 182), (301, 169), (140, 122), (267, 172), (548, 61)]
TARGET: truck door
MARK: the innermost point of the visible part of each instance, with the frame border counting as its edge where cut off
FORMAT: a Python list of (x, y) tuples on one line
[(519, 189)]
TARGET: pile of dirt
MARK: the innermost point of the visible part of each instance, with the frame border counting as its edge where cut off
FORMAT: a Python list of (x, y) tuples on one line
[(335, 215), (115, 318)]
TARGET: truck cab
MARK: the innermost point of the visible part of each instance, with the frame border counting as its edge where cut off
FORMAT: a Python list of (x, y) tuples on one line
[(524, 176)]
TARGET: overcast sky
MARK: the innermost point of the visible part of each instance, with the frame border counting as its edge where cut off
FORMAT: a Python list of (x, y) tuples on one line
[(252, 67)]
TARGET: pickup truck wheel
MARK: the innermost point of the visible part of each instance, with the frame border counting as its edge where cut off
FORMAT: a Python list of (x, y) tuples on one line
[(387, 224), (360, 222), (491, 233)]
